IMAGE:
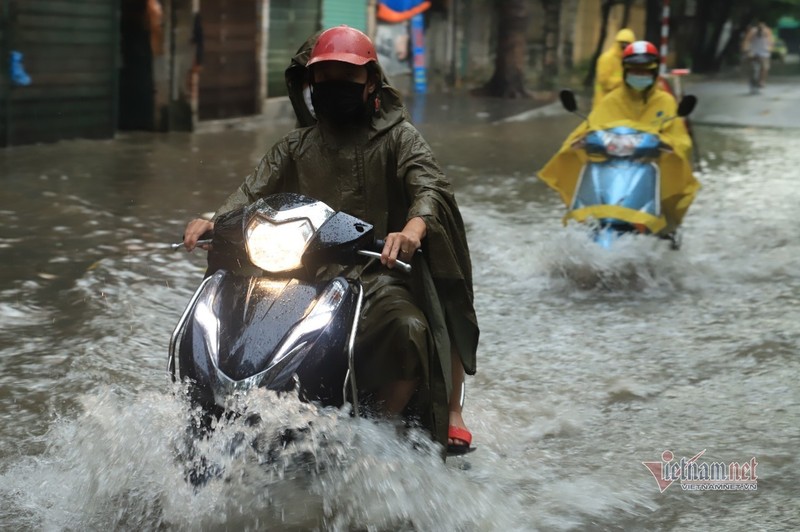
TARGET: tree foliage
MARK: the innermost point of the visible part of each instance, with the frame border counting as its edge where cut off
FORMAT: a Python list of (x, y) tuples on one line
[(716, 26)]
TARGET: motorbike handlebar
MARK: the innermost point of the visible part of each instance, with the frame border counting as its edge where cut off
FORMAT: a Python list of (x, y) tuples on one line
[(178, 245), (205, 239), (376, 255), (377, 248)]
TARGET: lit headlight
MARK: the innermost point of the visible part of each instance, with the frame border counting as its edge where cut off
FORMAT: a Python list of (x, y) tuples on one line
[(277, 247)]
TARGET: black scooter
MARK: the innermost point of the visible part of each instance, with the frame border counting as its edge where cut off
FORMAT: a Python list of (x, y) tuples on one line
[(259, 319)]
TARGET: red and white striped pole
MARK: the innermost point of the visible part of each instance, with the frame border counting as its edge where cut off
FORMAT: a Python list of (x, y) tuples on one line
[(664, 37)]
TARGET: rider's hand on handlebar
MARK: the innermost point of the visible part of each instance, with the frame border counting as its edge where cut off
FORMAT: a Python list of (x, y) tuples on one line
[(403, 245), (579, 143), (194, 230)]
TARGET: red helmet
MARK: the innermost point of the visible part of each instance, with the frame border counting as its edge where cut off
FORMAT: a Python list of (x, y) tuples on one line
[(641, 53), (345, 44)]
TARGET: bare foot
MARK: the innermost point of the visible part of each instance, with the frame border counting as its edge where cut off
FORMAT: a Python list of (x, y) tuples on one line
[(457, 421)]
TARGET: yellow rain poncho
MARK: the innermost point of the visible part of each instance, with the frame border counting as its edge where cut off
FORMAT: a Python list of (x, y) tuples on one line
[(652, 112), (609, 72)]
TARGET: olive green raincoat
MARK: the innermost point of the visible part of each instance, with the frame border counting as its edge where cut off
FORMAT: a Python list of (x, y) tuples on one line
[(385, 174)]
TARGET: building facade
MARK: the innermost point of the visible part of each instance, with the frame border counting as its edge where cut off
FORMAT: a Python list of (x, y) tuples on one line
[(69, 53), (99, 66)]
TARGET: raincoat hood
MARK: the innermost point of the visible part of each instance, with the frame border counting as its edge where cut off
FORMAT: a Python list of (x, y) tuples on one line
[(390, 111)]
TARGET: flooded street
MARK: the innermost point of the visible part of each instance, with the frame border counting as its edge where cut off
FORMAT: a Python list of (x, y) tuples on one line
[(591, 361)]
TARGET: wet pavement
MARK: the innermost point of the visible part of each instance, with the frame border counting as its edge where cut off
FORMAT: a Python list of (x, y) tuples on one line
[(456, 108), (730, 103), (591, 362)]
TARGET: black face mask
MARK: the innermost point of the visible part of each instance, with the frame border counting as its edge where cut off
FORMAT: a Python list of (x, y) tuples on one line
[(339, 103)]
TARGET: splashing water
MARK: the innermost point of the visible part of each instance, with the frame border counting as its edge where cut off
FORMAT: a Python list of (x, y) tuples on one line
[(634, 262), (590, 361), (126, 463)]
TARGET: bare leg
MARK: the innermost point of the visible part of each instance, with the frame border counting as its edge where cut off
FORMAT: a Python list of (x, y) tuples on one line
[(396, 395), (455, 395)]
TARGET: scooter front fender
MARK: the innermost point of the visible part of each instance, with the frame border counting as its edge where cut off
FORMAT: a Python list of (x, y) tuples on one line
[(244, 332)]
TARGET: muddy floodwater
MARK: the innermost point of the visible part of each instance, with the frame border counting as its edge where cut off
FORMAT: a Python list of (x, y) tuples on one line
[(591, 361)]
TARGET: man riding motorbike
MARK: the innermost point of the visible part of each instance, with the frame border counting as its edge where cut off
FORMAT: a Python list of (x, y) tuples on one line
[(642, 105), (418, 334), (609, 72)]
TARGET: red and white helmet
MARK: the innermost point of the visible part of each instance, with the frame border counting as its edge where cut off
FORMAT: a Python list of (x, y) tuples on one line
[(641, 54), (344, 44)]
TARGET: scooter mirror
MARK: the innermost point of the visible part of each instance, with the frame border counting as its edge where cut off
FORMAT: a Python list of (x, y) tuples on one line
[(687, 105), (568, 100)]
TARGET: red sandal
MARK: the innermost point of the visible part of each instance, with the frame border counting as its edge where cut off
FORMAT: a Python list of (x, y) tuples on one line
[(463, 435)]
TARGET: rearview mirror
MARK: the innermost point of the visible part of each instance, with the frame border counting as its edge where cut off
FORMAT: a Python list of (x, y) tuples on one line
[(687, 105), (567, 98)]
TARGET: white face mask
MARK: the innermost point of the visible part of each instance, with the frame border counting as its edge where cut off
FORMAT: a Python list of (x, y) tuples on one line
[(639, 82), (307, 99)]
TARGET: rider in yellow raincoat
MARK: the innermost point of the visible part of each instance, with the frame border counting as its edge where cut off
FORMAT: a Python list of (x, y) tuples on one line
[(608, 73), (641, 105)]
